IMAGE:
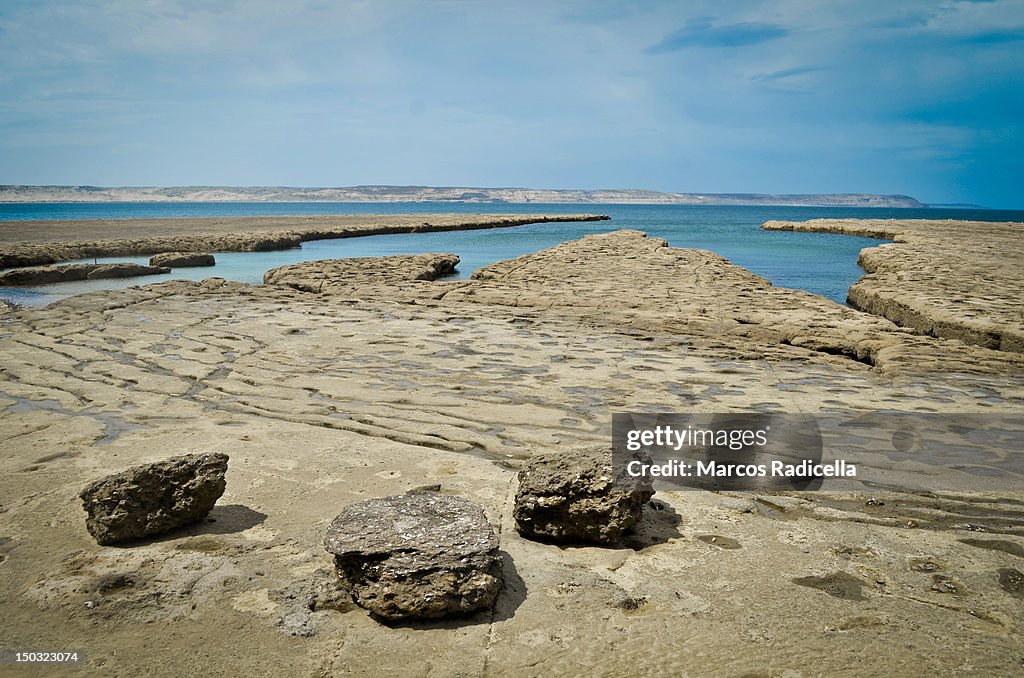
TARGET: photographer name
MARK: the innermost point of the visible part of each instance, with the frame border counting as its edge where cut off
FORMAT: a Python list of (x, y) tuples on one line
[(713, 469)]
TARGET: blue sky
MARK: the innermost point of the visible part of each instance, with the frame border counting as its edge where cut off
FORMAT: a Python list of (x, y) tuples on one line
[(922, 98)]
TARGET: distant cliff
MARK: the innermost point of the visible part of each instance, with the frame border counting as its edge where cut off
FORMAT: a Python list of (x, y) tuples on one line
[(13, 193)]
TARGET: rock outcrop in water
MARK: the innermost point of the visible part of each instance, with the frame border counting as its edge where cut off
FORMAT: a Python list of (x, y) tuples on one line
[(182, 259), (32, 243), (354, 275), (73, 272), (155, 498), (575, 496), (416, 556), (951, 279)]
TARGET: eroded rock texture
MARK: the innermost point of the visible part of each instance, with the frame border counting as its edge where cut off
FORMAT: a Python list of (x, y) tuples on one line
[(31, 243), (354, 275), (951, 279), (182, 259), (71, 272), (154, 498), (573, 495), (416, 556)]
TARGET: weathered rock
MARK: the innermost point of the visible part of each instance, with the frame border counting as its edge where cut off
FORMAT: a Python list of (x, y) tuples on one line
[(33, 243), (123, 270), (356, 274), (182, 259), (573, 496), (416, 556), (950, 279), (72, 272), (154, 498)]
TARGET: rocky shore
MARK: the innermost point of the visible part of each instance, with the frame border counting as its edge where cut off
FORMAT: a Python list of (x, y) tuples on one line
[(71, 272), (326, 395), (954, 279), (33, 243)]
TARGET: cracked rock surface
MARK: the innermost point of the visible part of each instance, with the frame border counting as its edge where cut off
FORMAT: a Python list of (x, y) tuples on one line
[(416, 556), (354, 275), (952, 279)]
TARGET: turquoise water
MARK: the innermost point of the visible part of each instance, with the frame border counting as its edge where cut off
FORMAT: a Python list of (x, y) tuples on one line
[(820, 263)]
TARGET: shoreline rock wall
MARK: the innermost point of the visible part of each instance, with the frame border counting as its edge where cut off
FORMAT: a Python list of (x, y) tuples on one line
[(949, 279), (73, 272), (34, 243)]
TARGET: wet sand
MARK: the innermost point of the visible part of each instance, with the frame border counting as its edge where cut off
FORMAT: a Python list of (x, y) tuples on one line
[(392, 382)]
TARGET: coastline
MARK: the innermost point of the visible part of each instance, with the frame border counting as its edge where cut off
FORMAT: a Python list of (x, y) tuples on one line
[(383, 381), (951, 279), (33, 243)]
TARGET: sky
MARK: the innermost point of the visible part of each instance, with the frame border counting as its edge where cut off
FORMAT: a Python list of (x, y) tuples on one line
[(790, 96)]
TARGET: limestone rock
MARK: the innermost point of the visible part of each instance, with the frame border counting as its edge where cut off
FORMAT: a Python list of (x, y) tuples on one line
[(416, 556), (72, 272), (34, 243), (182, 259), (154, 498), (356, 274), (573, 495), (950, 279)]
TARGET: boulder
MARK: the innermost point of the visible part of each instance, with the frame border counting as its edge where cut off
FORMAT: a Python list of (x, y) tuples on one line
[(416, 556), (154, 498), (575, 496), (182, 259)]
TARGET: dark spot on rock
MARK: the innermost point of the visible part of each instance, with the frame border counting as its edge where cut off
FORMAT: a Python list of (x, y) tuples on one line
[(1012, 581), (1003, 545), (720, 542), (837, 584), (111, 583), (629, 603), (423, 489), (942, 583), (925, 565)]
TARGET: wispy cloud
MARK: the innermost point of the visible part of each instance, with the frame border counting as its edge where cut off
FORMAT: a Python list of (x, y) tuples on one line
[(753, 95), (702, 32), (784, 74)]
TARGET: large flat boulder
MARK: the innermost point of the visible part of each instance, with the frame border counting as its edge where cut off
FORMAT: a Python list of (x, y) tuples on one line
[(416, 556), (182, 259), (573, 495), (153, 498), (343, 276)]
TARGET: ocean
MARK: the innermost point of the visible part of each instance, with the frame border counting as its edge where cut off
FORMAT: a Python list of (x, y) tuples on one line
[(820, 263)]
